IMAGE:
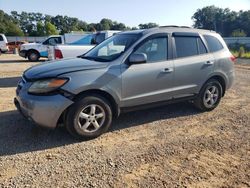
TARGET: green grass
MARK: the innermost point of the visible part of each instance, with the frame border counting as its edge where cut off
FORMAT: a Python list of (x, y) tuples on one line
[(244, 55)]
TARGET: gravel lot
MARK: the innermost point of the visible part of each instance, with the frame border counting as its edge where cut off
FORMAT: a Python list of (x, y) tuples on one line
[(171, 146)]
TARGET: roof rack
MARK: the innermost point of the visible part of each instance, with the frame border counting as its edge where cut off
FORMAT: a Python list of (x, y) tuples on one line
[(174, 26)]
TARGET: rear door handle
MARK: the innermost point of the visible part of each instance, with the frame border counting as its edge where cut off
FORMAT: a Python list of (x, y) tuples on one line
[(209, 63), (167, 70)]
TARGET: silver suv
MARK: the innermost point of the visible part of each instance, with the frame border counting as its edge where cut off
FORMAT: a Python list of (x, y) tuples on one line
[(130, 70)]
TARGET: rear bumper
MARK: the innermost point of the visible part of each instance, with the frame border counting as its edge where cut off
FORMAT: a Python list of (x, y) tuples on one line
[(4, 49), (231, 77), (42, 110)]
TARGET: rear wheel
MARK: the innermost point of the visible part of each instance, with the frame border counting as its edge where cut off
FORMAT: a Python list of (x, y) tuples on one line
[(209, 96), (33, 56), (89, 117)]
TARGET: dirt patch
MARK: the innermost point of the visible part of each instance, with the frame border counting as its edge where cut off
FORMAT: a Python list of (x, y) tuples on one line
[(170, 146)]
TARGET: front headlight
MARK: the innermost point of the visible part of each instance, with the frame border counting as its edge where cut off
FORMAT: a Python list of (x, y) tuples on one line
[(46, 86)]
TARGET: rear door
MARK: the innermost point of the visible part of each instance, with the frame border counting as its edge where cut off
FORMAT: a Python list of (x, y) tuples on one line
[(151, 81), (193, 64)]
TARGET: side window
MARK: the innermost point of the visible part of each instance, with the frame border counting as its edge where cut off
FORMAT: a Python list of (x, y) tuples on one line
[(59, 40), (54, 41), (213, 43), (186, 46), (100, 38), (1, 38), (155, 49), (202, 48)]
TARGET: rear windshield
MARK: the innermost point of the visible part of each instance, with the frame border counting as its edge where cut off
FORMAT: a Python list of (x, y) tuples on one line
[(213, 43)]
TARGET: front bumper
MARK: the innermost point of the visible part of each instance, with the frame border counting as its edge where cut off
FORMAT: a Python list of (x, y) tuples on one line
[(42, 110), (23, 53)]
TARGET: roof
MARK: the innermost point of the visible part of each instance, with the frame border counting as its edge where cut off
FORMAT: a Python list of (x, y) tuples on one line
[(168, 29)]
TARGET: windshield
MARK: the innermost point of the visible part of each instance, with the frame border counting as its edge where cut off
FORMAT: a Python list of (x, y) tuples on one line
[(111, 48)]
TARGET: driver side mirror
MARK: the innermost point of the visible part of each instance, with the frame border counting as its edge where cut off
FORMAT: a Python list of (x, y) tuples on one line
[(137, 58)]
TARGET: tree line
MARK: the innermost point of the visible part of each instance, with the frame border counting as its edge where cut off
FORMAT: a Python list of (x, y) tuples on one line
[(224, 21), (37, 24)]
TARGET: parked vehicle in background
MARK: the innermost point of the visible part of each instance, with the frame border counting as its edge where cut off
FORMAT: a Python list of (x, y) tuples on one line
[(15, 45), (3, 44), (131, 70), (33, 51), (78, 47)]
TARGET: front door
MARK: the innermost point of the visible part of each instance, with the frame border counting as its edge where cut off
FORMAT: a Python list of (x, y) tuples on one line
[(151, 81)]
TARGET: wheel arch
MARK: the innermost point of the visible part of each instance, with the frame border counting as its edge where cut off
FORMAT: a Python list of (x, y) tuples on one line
[(32, 50), (94, 92), (221, 80)]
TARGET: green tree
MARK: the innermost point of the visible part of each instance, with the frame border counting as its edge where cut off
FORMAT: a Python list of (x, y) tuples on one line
[(148, 25), (207, 17), (83, 26), (223, 21), (8, 25), (13, 30), (106, 24), (40, 29), (50, 29)]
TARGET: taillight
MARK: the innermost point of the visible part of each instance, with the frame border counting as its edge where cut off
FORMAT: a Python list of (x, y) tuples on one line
[(58, 54), (233, 59)]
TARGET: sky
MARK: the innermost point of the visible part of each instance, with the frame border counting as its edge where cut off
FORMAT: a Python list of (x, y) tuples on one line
[(129, 12)]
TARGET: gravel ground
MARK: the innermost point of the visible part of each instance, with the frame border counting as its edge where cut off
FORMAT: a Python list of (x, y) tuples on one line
[(171, 146)]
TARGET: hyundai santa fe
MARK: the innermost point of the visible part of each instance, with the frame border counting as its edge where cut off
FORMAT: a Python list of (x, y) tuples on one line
[(128, 71)]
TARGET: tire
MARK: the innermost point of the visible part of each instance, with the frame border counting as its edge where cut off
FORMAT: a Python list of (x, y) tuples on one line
[(33, 56), (209, 96), (82, 116)]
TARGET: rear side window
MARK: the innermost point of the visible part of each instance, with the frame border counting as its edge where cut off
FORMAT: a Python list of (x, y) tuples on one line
[(189, 46), (54, 41), (213, 43), (1, 38), (186, 46)]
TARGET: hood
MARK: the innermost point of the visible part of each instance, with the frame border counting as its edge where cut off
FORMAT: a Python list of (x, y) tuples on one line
[(55, 68), (30, 45)]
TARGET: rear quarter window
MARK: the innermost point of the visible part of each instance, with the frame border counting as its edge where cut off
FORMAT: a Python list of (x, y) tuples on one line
[(213, 43)]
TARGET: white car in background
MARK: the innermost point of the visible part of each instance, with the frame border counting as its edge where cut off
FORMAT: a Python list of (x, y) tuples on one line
[(3, 44), (33, 51), (79, 47)]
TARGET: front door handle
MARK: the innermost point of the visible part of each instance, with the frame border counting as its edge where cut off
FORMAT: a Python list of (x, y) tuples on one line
[(209, 63), (167, 70)]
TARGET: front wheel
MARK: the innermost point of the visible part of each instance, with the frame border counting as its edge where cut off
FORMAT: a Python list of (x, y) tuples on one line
[(33, 56), (89, 117), (209, 96)]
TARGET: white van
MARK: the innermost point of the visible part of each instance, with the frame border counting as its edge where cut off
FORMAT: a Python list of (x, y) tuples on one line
[(3, 44)]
